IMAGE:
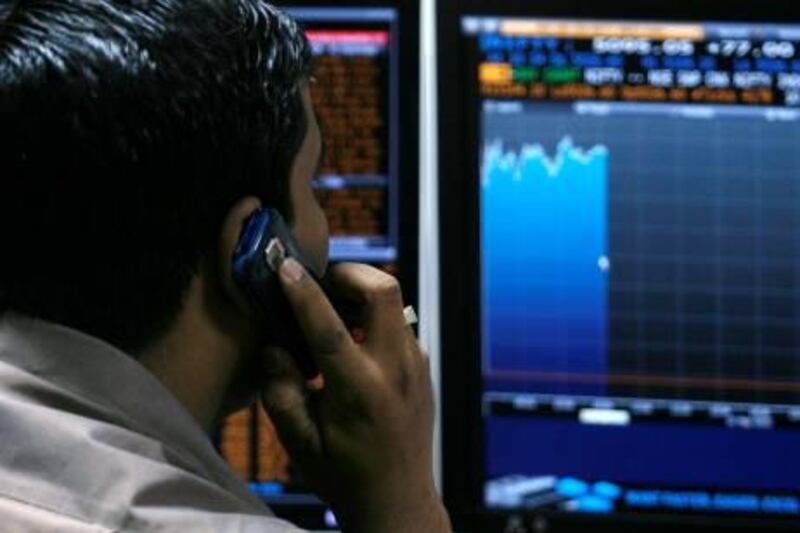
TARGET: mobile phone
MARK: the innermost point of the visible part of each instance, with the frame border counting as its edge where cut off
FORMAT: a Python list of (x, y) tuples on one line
[(264, 243)]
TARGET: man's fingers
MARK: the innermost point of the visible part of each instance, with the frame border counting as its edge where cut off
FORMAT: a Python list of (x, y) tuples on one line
[(383, 319), (325, 334), (278, 365), (376, 294), (284, 399)]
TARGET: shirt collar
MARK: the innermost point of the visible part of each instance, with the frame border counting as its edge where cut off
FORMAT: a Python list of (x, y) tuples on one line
[(113, 386)]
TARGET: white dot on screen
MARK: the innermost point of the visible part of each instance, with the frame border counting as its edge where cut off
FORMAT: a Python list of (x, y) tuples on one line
[(604, 263)]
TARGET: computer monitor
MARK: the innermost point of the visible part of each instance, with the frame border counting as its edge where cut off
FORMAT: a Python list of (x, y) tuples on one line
[(364, 90), (620, 199)]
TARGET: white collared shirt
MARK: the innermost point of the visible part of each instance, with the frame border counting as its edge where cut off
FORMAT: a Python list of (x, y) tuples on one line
[(92, 442)]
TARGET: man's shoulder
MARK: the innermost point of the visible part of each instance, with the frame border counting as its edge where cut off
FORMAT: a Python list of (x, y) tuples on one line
[(22, 516), (25, 517), (88, 475), (88, 455)]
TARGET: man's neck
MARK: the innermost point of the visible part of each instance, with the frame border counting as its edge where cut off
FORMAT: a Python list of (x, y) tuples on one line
[(196, 361)]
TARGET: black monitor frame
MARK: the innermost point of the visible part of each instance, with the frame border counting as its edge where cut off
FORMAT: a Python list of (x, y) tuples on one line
[(462, 432)]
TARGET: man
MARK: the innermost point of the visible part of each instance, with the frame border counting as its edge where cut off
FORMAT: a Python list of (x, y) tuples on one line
[(137, 138)]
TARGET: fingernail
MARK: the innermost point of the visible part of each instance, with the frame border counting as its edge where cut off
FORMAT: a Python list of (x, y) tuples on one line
[(292, 271)]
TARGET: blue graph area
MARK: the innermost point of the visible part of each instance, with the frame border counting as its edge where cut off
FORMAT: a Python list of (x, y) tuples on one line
[(544, 260)]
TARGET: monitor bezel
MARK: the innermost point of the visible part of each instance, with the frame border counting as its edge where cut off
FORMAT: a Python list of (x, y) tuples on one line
[(462, 431)]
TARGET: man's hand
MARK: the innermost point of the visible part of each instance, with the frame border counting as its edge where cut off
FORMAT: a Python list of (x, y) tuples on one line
[(364, 442)]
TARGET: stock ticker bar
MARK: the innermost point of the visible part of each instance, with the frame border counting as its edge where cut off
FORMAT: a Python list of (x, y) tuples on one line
[(637, 62)]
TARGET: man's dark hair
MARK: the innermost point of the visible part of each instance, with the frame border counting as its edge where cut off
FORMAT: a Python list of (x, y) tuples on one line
[(129, 129)]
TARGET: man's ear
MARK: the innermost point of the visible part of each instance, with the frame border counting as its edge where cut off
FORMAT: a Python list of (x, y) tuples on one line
[(229, 237)]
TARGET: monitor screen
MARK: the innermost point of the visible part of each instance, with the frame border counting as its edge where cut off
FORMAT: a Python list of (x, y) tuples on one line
[(359, 58), (355, 68), (637, 213)]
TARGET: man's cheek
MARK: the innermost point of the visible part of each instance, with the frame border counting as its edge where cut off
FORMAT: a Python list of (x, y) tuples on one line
[(318, 249), (311, 232)]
